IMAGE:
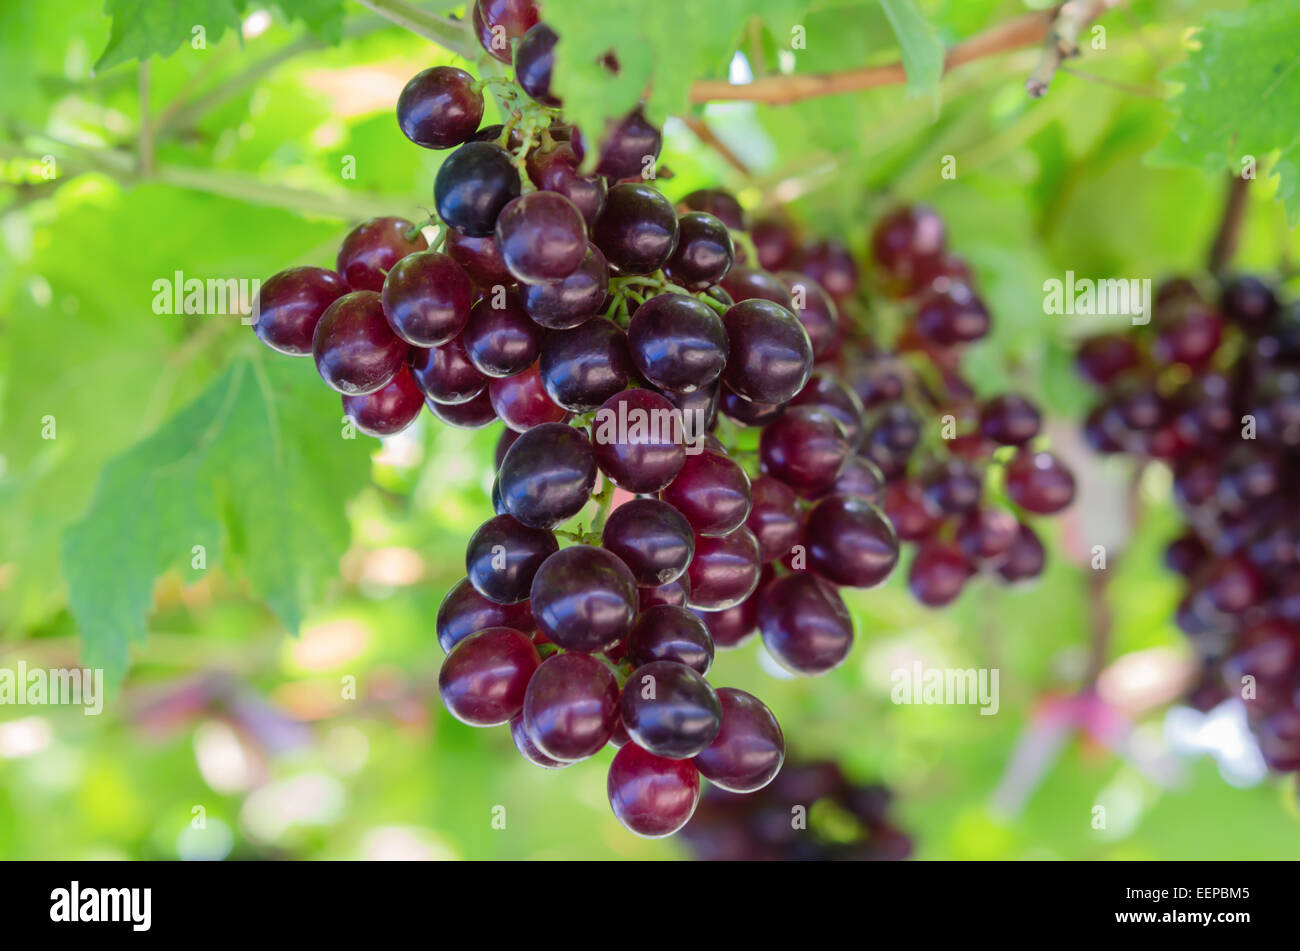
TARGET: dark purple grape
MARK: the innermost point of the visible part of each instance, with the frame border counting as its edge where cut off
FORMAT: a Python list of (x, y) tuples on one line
[(769, 357), (677, 342), (749, 749), (952, 486), (805, 448), (1025, 558), (1250, 304), (839, 400), (951, 315), (712, 491), (734, 626), (639, 440), (547, 475), (652, 796), (534, 63), (1103, 359), (504, 442), (587, 365), (905, 239), (829, 263), (290, 304), (521, 401), (542, 237), (747, 412), (815, 309), (479, 256), (373, 247), (725, 569), (464, 611), (698, 408), (571, 706), (556, 170), (637, 231), (630, 149), (471, 414), (892, 438), (484, 678), (501, 341), (906, 509), (938, 573), (497, 22), (877, 382), (861, 477), (1185, 554), (573, 300), (675, 593), (718, 204), (1193, 338), (1009, 420), (804, 623), (445, 374), (1039, 482), (389, 409), (775, 242), (750, 283), (528, 749), (850, 542), (986, 534), (440, 107), (652, 538), (704, 252), (584, 599), (774, 517), (426, 298), (670, 710), (670, 633), (473, 185), (355, 350), (502, 557)]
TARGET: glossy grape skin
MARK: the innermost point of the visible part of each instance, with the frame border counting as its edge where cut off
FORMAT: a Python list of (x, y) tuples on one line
[(704, 252), (675, 593), (587, 365), (472, 186), (670, 710), (502, 557), (651, 796), (445, 374), (427, 297), (501, 341), (725, 569), (699, 408), (542, 237), (829, 263), (389, 409), (534, 63), (815, 309), (571, 706), (630, 148), (712, 491), (1039, 482), (290, 304), (440, 108), (372, 248), (497, 22), (749, 749), (521, 401), (951, 315), (850, 542), (555, 169), (666, 632), (1103, 359), (938, 573), (677, 342), (769, 356), (464, 611), (804, 623), (774, 517), (528, 749), (952, 487), (826, 391), (622, 430), (716, 203), (776, 243), (484, 678), (652, 538), (355, 350), (907, 237), (572, 301), (547, 475), (806, 449), (861, 477), (1024, 559), (749, 283), (637, 231), (734, 626), (479, 256), (1009, 420), (584, 599), (471, 414)]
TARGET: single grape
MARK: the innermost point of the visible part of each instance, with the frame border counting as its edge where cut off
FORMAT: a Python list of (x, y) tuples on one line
[(805, 448), (986, 535), (639, 440), (670, 710), (1103, 359), (630, 149), (776, 243), (952, 486), (749, 749), (725, 569), (826, 391), (675, 593), (938, 573), (717, 203), (528, 749), (712, 491), (464, 611), (667, 632), (440, 107), (1009, 419), (373, 247), (698, 408), (586, 365), (652, 538), (815, 309), (804, 623), (906, 238), (573, 300), (1039, 482), (479, 256), (445, 374), (427, 297), (500, 338), (774, 517), (484, 678), (637, 231), (734, 626), (534, 63), (677, 342), (951, 315), (830, 263), (749, 283), (555, 169), (473, 185), (850, 542), (355, 349), (892, 438), (497, 22), (746, 412), (652, 796), (584, 599), (571, 706), (704, 252), (547, 475), (542, 237), (389, 409), (502, 557), (471, 414), (906, 509), (521, 401), (861, 477), (769, 356), (290, 304)]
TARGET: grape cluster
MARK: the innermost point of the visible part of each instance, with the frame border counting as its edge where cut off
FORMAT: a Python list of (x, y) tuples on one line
[(1211, 387), (811, 812)]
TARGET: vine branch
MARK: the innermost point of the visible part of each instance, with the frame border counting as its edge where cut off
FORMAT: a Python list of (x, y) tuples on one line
[(450, 34), (1062, 42), (1225, 238), (706, 135)]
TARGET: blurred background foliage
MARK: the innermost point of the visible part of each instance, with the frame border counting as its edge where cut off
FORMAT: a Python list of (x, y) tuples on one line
[(237, 170)]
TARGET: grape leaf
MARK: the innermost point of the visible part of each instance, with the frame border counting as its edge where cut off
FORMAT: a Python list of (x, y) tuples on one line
[(922, 50), (254, 470), (142, 28), (1240, 96)]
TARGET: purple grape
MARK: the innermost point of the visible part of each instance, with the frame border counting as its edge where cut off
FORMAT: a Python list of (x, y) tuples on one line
[(718, 203), (1009, 420), (746, 412), (829, 263), (804, 623), (1025, 558), (556, 170), (445, 374), (725, 569), (355, 350), (389, 409), (734, 626), (769, 356), (479, 256), (938, 573), (1039, 482), (571, 707), (985, 535), (484, 678), (667, 632), (839, 400), (652, 796), (704, 252), (542, 237), (497, 22), (675, 593), (528, 749), (471, 414), (749, 749), (952, 487), (630, 149), (774, 517), (861, 477), (464, 611), (749, 283), (712, 491), (652, 538), (502, 557), (473, 185), (573, 300), (850, 542), (776, 244), (586, 365), (638, 440), (427, 297), (547, 475), (670, 710), (815, 309), (440, 107), (637, 231), (501, 341), (521, 401), (584, 599), (290, 304), (677, 342), (951, 315), (534, 63), (806, 449), (372, 248)]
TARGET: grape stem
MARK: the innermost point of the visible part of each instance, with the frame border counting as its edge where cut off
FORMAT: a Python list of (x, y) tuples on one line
[(604, 505)]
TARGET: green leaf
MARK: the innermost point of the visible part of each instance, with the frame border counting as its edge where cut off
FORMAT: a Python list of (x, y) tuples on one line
[(142, 28), (1240, 96), (254, 470), (922, 50)]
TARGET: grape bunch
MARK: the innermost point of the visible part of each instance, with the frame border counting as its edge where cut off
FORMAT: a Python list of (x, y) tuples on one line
[(1211, 388), (811, 812)]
